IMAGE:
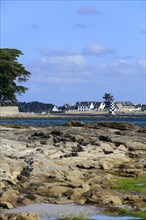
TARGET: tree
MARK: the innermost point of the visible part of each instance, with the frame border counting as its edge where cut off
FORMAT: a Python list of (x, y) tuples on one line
[(11, 73), (108, 99)]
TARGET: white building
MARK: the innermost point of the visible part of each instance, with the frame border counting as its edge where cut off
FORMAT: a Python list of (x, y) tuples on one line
[(55, 109), (89, 106)]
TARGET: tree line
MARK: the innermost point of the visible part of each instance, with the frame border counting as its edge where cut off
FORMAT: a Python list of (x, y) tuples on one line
[(36, 107)]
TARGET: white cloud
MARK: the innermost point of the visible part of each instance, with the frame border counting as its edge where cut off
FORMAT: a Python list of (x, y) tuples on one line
[(142, 64), (96, 50), (62, 63), (67, 60), (60, 69), (117, 68), (45, 51), (66, 66), (61, 78), (87, 10)]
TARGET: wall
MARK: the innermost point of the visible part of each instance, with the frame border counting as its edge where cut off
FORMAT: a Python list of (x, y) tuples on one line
[(9, 110)]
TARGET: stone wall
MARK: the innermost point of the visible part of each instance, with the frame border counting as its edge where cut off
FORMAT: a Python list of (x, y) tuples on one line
[(9, 110)]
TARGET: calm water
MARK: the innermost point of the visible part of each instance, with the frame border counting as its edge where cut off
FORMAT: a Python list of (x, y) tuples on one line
[(103, 217), (66, 211), (138, 120)]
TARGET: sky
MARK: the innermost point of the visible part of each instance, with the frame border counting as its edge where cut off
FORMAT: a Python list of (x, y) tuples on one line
[(78, 50)]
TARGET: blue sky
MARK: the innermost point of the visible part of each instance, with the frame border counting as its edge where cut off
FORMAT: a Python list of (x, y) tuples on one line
[(78, 50)]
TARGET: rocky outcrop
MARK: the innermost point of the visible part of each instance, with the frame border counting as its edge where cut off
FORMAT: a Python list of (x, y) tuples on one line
[(70, 163), (20, 216)]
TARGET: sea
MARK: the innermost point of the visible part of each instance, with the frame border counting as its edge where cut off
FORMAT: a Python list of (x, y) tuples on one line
[(136, 119)]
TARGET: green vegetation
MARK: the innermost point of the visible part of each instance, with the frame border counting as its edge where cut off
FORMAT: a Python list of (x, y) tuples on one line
[(133, 184), (11, 74), (76, 218), (116, 211), (36, 107), (141, 214)]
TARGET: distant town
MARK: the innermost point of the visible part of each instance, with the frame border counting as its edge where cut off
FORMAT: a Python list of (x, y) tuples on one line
[(24, 109), (83, 106)]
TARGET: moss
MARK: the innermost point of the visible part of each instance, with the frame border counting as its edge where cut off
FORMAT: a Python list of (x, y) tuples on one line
[(133, 184), (117, 211), (141, 214), (76, 218)]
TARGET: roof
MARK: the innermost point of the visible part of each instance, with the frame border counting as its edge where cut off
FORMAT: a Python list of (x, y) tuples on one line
[(125, 103), (88, 103)]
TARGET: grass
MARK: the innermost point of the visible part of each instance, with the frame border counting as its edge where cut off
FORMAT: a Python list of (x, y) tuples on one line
[(76, 218), (133, 184), (141, 214), (116, 211)]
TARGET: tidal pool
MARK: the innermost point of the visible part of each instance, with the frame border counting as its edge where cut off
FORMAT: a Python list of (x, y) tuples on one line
[(55, 211)]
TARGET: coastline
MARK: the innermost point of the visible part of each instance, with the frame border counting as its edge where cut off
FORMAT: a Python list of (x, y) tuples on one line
[(75, 163), (75, 115)]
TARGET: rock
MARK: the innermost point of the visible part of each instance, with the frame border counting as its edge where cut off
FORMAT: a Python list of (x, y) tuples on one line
[(23, 201), (76, 124), (104, 138), (78, 148), (24, 216), (2, 185), (3, 217), (10, 196), (122, 147), (119, 125), (132, 198), (75, 177), (105, 165), (6, 205), (70, 163), (107, 148), (9, 167), (133, 146), (110, 199)]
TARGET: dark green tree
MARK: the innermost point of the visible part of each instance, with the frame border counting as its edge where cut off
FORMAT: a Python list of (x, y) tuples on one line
[(108, 97), (107, 100), (11, 74)]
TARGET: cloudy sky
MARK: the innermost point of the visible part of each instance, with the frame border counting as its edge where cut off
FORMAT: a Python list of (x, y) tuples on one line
[(78, 50)]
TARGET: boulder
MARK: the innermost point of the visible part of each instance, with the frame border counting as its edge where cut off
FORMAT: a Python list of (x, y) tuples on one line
[(107, 148), (6, 205), (24, 216), (10, 196), (110, 199)]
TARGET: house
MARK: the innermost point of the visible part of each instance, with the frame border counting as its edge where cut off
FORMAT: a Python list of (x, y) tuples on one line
[(85, 106), (125, 106), (55, 109), (89, 106), (99, 106), (119, 106)]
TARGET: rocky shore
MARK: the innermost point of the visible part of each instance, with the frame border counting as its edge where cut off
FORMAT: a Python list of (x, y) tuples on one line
[(73, 163)]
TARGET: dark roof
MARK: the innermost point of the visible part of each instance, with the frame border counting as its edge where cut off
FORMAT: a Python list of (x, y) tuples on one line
[(96, 104), (128, 103), (125, 103)]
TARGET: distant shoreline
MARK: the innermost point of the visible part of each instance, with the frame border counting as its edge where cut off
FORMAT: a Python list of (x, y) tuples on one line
[(75, 115)]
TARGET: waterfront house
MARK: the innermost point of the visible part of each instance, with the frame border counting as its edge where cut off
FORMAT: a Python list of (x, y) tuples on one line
[(55, 109), (89, 106), (125, 106)]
